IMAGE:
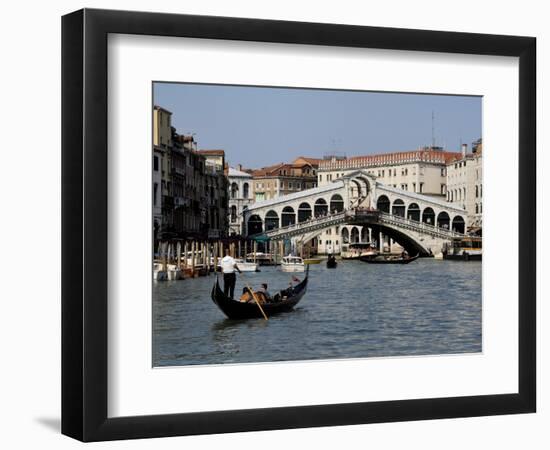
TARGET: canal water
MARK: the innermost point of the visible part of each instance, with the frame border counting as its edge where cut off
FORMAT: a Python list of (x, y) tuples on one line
[(357, 310)]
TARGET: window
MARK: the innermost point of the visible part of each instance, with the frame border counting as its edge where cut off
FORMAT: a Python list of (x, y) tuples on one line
[(443, 171), (421, 187), (155, 189), (320, 177), (442, 189), (156, 163), (414, 187)]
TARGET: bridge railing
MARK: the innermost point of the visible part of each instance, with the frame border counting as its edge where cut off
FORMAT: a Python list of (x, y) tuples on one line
[(419, 226), (372, 215), (312, 223)]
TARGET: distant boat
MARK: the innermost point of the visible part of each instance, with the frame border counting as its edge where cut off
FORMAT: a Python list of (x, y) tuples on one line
[(331, 262), (355, 251), (388, 260), (464, 249), (283, 301), (292, 264)]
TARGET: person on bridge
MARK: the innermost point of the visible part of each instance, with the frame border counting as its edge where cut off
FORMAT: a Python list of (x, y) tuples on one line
[(229, 265)]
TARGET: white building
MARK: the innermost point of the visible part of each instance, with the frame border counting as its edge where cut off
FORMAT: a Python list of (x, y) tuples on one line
[(421, 171), (240, 197), (465, 183)]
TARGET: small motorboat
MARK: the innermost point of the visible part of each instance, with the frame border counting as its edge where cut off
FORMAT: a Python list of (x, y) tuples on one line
[(292, 264), (283, 301), (388, 259)]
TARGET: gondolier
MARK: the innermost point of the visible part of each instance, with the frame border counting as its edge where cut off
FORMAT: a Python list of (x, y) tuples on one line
[(228, 266)]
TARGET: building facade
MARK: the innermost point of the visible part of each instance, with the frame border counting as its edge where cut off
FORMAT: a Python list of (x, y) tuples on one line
[(162, 170), (189, 186), (420, 171), (240, 197), (465, 183), (285, 178)]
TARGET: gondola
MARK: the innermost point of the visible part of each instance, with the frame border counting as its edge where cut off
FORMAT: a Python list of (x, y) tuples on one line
[(383, 260), (234, 309), (331, 262)]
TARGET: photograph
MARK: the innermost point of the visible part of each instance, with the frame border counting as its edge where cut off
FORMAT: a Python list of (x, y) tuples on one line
[(301, 224)]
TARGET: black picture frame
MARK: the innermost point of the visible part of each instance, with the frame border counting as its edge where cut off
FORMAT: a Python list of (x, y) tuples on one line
[(84, 224)]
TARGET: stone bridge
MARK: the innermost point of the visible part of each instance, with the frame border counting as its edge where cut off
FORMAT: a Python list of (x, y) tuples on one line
[(418, 222)]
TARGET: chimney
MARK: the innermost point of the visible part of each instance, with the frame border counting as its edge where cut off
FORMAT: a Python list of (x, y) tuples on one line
[(464, 150)]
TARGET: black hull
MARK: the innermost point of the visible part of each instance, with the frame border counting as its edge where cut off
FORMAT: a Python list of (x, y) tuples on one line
[(462, 257), (388, 261), (237, 310), (331, 264)]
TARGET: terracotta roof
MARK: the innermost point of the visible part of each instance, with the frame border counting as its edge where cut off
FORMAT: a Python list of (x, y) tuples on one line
[(436, 156), (313, 161)]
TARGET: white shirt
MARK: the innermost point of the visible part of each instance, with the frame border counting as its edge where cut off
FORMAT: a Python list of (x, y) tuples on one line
[(228, 264)]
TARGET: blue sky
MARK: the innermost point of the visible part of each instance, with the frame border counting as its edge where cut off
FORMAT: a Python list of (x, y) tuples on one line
[(259, 126)]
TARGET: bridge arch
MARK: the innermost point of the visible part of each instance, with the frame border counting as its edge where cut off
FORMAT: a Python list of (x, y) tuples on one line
[(443, 220), (320, 208), (254, 224), (458, 224), (288, 216), (398, 208), (304, 212), (345, 235), (271, 220), (354, 235), (336, 203), (383, 204), (413, 212), (428, 216)]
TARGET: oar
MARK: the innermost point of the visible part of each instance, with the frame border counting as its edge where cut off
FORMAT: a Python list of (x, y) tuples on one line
[(254, 297)]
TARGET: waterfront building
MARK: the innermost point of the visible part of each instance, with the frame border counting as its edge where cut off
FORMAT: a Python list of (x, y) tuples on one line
[(422, 171), (240, 197), (465, 183), (162, 170), (285, 178), (189, 186), (214, 203)]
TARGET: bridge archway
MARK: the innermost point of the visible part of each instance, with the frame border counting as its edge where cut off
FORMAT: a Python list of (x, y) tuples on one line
[(428, 216), (398, 208), (271, 220), (413, 212), (336, 203), (354, 235), (345, 235), (383, 204), (459, 224), (255, 224), (288, 216), (443, 220), (320, 208), (304, 212)]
